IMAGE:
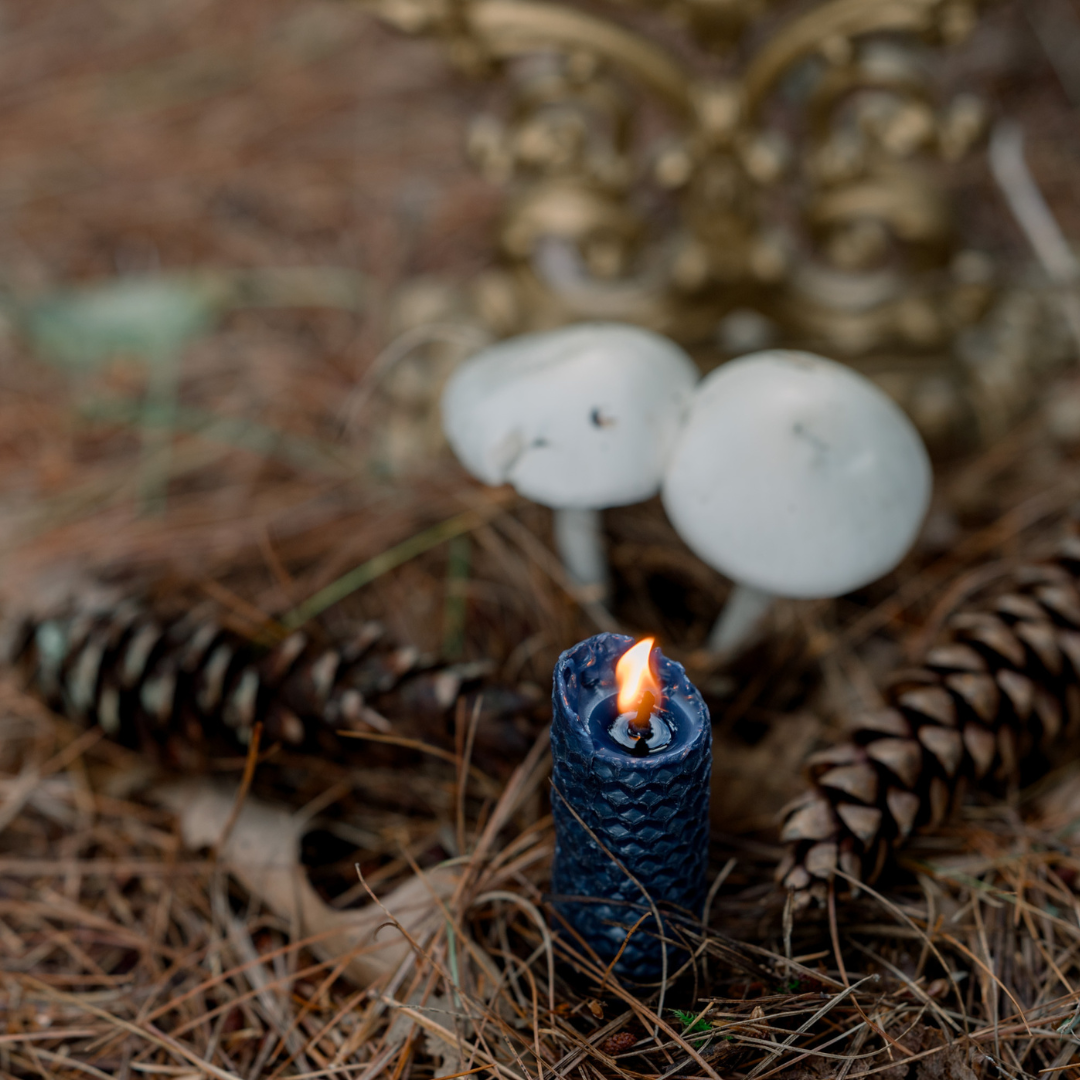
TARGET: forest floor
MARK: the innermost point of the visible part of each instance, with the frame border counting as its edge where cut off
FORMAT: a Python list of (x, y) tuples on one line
[(248, 136)]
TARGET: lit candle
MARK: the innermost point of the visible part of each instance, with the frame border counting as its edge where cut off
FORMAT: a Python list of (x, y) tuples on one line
[(632, 747)]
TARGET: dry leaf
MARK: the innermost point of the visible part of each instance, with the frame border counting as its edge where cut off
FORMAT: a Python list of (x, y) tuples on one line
[(263, 853)]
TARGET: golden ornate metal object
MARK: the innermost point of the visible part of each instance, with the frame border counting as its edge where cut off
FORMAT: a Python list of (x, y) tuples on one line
[(798, 202)]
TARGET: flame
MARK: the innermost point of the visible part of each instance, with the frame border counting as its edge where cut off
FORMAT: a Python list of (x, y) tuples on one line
[(634, 676)]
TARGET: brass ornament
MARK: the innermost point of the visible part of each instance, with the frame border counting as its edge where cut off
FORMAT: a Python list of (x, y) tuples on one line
[(799, 202)]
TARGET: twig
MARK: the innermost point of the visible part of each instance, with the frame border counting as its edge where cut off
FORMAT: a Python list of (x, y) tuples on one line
[(242, 790), (422, 747)]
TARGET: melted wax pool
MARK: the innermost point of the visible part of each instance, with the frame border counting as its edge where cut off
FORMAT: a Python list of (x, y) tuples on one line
[(626, 733), (615, 732)]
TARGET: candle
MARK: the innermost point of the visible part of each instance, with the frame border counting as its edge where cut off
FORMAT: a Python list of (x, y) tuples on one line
[(632, 757)]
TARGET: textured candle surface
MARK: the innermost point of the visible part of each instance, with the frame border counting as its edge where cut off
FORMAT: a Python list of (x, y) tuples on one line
[(650, 812)]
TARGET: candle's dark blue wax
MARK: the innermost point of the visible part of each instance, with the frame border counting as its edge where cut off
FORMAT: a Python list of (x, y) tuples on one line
[(651, 813)]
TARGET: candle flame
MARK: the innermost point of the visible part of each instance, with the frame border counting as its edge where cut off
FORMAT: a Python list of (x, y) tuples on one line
[(634, 676)]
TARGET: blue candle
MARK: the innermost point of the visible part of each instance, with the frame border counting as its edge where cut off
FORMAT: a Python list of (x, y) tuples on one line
[(639, 779)]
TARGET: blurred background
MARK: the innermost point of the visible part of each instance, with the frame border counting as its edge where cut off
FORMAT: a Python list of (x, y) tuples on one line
[(244, 244)]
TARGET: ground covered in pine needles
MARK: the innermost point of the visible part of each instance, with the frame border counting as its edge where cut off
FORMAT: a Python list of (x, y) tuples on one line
[(136, 941)]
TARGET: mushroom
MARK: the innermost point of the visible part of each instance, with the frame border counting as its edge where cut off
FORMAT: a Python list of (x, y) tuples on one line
[(797, 477), (578, 419)]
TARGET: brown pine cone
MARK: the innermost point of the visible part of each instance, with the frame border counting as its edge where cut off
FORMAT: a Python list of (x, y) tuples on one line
[(180, 685), (996, 691)]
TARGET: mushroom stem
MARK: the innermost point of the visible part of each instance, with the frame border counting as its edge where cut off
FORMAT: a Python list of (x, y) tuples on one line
[(580, 543), (735, 625)]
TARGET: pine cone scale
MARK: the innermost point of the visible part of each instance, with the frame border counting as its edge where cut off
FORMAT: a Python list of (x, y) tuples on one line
[(982, 746), (979, 692), (902, 757), (904, 808), (933, 702), (860, 781), (945, 744)]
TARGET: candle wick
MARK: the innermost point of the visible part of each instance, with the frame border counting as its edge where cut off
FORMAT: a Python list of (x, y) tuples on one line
[(643, 721)]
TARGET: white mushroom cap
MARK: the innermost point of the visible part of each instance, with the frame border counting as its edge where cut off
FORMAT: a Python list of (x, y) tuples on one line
[(797, 476), (582, 417)]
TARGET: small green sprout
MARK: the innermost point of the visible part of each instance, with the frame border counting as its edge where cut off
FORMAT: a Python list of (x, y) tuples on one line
[(692, 1023)]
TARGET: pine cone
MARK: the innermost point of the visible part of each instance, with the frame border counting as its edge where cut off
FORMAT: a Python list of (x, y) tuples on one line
[(179, 685), (994, 693)]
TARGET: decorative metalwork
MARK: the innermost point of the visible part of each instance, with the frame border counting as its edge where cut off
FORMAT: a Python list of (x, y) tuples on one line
[(798, 202)]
